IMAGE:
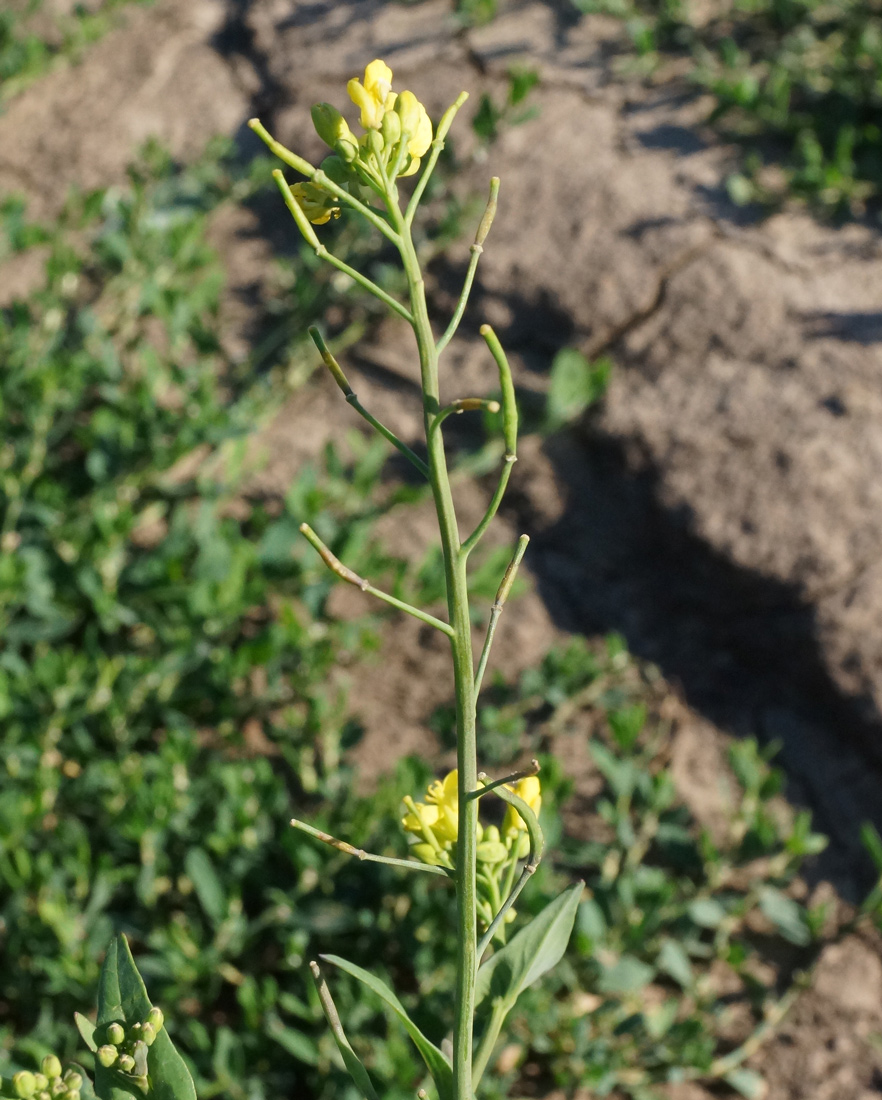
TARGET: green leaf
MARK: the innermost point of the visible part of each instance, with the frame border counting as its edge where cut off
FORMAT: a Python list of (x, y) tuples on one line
[(625, 976), (873, 843), (786, 915), (435, 1061), (532, 952), (575, 384), (673, 961), (209, 889), (707, 913), (87, 1030), (122, 997)]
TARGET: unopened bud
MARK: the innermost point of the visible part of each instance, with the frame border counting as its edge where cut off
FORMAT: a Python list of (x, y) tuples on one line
[(71, 1094), (116, 1034), (42, 1081), (374, 142), (107, 1055), (407, 107), (148, 1034), (390, 128), (24, 1084), (156, 1018), (56, 1086), (126, 1063), (51, 1066), (73, 1080)]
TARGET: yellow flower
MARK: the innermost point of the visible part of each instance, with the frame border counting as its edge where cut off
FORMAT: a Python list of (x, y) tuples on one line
[(530, 791), (444, 795), (372, 96), (316, 204), (420, 817), (416, 126)]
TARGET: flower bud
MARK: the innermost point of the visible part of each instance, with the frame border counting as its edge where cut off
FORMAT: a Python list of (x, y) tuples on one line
[(71, 1094), (107, 1055), (56, 1085), (425, 853), (51, 1066), (407, 107), (156, 1018), (523, 844), (42, 1081), (73, 1080), (24, 1085), (329, 123), (126, 1063), (390, 128), (374, 142), (148, 1034), (116, 1034)]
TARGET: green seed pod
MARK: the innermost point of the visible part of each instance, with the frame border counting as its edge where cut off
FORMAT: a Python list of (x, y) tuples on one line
[(74, 1081), (116, 1034), (148, 1034), (156, 1018), (24, 1085), (51, 1066), (107, 1055), (126, 1063)]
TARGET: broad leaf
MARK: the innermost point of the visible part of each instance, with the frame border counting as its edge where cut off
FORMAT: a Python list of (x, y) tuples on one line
[(87, 1092), (532, 952), (122, 997), (435, 1061)]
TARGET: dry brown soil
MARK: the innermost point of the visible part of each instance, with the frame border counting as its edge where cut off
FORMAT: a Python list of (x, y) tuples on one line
[(720, 509)]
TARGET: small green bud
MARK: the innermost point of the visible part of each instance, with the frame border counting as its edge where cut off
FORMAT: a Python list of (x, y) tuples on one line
[(73, 1080), (390, 128), (156, 1018), (51, 1066), (116, 1034), (374, 142), (56, 1086), (142, 1083), (148, 1034), (71, 1094), (126, 1063), (42, 1081), (107, 1055), (44, 1095), (24, 1084)]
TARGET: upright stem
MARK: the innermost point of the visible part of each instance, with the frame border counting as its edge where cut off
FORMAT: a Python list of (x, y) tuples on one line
[(463, 666)]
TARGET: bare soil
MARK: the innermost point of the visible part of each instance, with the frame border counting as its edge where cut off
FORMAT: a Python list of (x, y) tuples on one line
[(721, 508)]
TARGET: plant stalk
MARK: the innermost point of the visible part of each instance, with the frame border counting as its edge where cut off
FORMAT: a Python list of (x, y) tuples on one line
[(463, 664)]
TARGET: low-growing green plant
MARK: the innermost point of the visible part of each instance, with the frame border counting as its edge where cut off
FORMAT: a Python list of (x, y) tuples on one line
[(25, 54), (796, 82)]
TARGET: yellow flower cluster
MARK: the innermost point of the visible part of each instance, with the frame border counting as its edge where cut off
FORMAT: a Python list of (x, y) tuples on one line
[(398, 133), (434, 824)]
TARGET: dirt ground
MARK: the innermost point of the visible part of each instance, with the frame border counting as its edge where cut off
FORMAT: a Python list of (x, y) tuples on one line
[(721, 507)]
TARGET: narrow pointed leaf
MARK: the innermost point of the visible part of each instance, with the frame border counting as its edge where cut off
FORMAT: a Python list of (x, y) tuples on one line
[(532, 952), (435, 1061), (87, 1031), (122, 997)]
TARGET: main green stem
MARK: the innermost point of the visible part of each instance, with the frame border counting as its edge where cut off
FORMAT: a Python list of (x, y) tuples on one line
[(463, 666)]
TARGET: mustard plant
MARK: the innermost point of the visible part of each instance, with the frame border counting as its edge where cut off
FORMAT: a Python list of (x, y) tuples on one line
[(487, 866)]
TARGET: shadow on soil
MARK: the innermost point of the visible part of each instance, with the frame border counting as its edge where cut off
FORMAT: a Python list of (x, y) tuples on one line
[(742, 647)]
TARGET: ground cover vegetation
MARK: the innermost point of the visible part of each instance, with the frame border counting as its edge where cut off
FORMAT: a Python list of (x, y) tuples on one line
[(796, 82), (167, 703), (33, 40)]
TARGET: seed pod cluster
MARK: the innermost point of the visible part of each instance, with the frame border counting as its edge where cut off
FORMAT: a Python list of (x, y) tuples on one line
[(48, 1084), (125, 1048)]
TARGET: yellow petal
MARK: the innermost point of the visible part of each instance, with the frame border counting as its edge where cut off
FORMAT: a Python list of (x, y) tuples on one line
[(378, 80), (422, 138)]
